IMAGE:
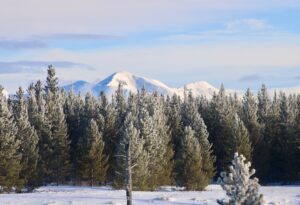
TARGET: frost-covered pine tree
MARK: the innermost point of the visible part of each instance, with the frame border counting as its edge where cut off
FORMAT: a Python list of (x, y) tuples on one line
[(92, 161), (29, 141), (190, 162), (219, 128), (208, 158), (161, 163), (87, 113), (132, 159), (257, 139), (240, 138), (296, 141), (174, 122), (238, 184), (263, 104), (59, 161), (73, 109), (282, 162), (234, 138), (38, 120), (149, 133), (90, 107), (10, 158), (118, 110), (110, 138), (191, 117), (249, 117)]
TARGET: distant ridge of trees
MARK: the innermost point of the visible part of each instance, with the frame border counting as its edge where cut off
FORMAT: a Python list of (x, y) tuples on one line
[(50, 136)]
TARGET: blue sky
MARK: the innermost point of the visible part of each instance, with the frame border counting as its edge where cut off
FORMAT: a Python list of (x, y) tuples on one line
[(242, 43)]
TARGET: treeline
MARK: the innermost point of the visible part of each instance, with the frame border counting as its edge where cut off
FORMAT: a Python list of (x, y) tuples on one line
[(50, 136)]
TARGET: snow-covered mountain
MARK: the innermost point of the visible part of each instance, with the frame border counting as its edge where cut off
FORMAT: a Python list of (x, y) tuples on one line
[(133, 83), (199, 88), (79, 86)]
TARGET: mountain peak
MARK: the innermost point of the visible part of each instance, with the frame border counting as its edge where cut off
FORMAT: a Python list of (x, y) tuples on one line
[(133, 83), (122, 73), (125, 78), (201, 88)]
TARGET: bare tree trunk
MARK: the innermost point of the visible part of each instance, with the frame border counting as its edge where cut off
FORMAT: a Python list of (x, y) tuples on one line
[(128, 179)]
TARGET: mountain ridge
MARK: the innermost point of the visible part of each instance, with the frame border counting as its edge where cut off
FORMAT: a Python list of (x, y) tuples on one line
[(133, 83)]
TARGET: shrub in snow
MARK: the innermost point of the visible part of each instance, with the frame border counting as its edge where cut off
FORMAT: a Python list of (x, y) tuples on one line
[(239, 187)]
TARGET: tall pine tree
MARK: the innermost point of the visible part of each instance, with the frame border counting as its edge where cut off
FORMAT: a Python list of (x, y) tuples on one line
[(92, 160), (29, 141), (190, 162), (10, 158), (59, 161)]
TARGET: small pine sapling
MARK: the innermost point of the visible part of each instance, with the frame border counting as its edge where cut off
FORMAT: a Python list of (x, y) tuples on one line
[(239, 187)]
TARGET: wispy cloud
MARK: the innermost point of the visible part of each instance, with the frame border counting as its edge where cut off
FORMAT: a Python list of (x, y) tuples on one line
[(250, 78), (247, 24), (80, 36), (10, 44), (236, 29), (36, 66), (43, 41)]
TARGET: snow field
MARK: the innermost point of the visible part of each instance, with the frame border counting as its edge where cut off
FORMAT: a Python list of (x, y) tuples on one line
[(70, 195)]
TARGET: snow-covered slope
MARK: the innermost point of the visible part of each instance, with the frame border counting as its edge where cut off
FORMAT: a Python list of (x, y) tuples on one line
[(78, 86), (288, 90), (133, 83), (198, 89)]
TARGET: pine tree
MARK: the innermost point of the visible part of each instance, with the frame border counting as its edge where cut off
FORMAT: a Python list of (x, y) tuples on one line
[(267, 116), (296, 142), (110, 139), (162, 162), (263, 104), (241, 142), (29, 141), (32, 104), (239, 187), (219, 128), (52, 82), (250, 119), (132, 158), (59, 160), (73, 109), (234, 137), (208, 159), (282, 145), (118, 110), (191, 117), (10, 164), (190, 162), (92, 160), (175, 123), (38, 120), (149, 133), (270, 129)]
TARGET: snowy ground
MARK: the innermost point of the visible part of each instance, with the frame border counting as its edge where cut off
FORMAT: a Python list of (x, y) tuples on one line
[(68, 195)]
